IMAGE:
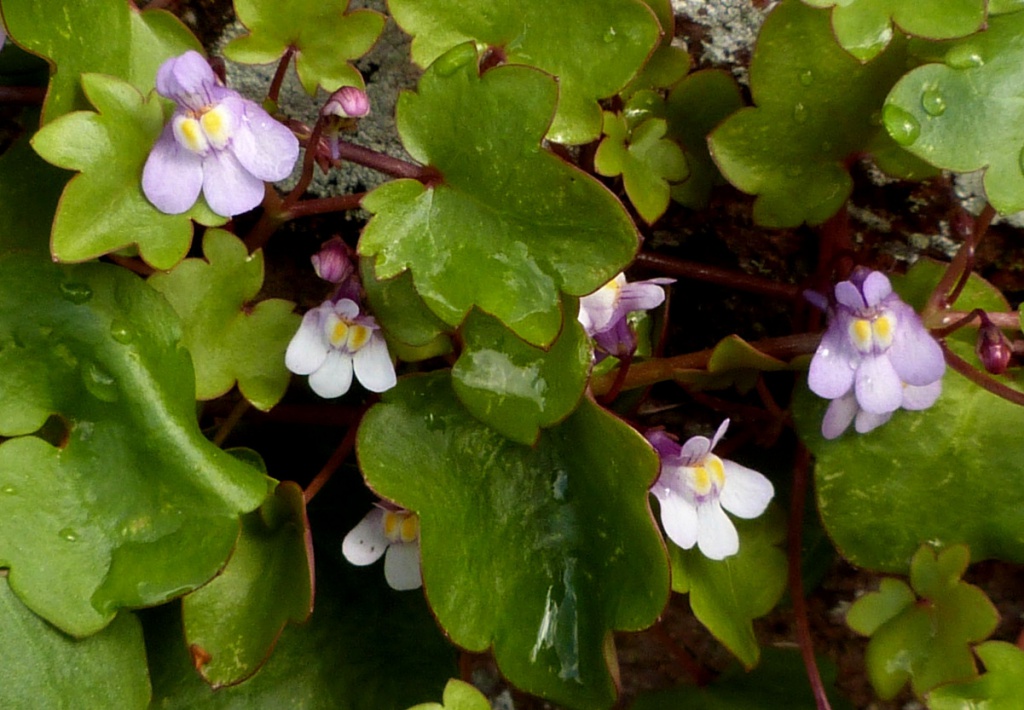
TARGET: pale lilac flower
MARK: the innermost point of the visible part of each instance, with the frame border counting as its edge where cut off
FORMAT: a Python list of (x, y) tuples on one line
[(216, 142), (395, 532), (843, 411), (694, 487), (604, 313), (873, 346), (334, 341)]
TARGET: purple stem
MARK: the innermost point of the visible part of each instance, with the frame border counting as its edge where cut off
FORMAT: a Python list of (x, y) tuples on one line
[(980, 378), (716, 275)]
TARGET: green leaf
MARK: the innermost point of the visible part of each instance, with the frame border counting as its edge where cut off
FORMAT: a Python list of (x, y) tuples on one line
[(362, 639), (646, 160), (700, 102), (559, 536), (515, 387), (928, 642), (965, 114), (458, 695), (103, 209), (134, 506), (100, 36), (44, 668), (594, 48), (326, 38), (233, 622), (727, 595), (399, 309), (231, 338), (733, 363), (998, 689), (29, 188), (815, 106), (669, 64), (511, 225), (864, 27)]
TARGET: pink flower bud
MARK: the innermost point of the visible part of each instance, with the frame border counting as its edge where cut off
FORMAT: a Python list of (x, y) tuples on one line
[(347, 102), (993, 348), (332, 262)]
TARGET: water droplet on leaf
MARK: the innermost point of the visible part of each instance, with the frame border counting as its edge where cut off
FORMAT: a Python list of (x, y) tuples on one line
[(933, 102), (964, 56), (68, 534), (76, 292), (806, 77), (609, 35), (100, 383), (120, 332), (902, 126), (800, 113), (9, 490)]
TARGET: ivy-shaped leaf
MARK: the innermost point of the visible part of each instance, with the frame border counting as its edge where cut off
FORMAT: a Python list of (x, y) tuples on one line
[(700, 102), (864, 27), (511, 225), (102, 208), (594, 48), (101, 36), (965, 114), (326, 38), (133, 506), (815, 106), (515, 387), (727, 595), (233, 622), (998, 689), (228, 336), (29, 189), (559, 536), (647, 161), (399, 309), (44, 668), (669, 64), (458, 695), (926, 643)]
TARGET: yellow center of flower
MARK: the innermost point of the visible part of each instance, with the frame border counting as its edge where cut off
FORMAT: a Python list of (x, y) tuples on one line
[(708, 476), (217, 126), (350, 336), (401, 526), (870, 333), (198, 131)]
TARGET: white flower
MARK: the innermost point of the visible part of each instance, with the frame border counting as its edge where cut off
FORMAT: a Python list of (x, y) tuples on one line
[(332, 342), (396, 532), (604, 313), (694, 487)]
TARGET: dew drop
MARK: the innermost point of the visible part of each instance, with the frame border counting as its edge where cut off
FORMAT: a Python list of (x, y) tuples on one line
[(120, 332), (933, 102), (76, 292), (964, 56), (9, 490), (800, 113), (609, 35), (902, 126), (68, 534), (100, 383), (806, 77)]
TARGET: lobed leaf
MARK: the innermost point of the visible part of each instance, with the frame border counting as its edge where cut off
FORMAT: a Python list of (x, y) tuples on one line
[(559, 536), (29, 188), (458, 695), (998, 689)]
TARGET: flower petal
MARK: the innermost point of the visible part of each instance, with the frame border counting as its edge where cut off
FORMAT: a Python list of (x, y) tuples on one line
[(186, 79), (365, 543), (746, 492), (849, 295), (229, 188), (334, 378), (172, 176), (915, 354), (373, 365), (695, 448), (679, 517), (839, 415), (264, 146), (876, 287), (866, 421), (402, 566), (722, 428), (832, 367), (878, 387), (307, 350), (642, 295), (663, 442), (918, 398), (716, 535)]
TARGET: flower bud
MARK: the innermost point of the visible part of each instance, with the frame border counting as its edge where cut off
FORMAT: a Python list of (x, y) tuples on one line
[(347, 102), (332, 262), (993, 348)]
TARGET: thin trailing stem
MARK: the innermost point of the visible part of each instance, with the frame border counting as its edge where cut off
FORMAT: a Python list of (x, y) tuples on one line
[(382, 163), (620, 376), (275, 84), (982, 379), (308, 164), (946, 322), (953, 281), (724, 277), (333, 463), (229, 424), (325, 205)]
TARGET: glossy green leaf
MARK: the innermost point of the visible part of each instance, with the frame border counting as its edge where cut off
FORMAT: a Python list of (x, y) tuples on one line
[(233, 622), (733, 363), (229, 337), (998, 7), (594, 48), (365, 646), (326, 38), (511, 225), (965, 114), (102, 208), (134, 506), (727, 595), (559, 536), (700, 102), (998, 689), (99, 36), (29, 188), (669, 64), (458, 695), (864, 27), (647, 161), (399, 309), (815, 106), (927, 643), (778, 683), (44, 668), (515, 387)]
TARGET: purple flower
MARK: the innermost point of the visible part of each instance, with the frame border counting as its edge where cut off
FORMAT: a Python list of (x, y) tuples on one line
[(394, 531), (694, 487), (216, 142), (604, 313), (843, 411), (340, 113), (334, 341), (333, 263), (875, 344)]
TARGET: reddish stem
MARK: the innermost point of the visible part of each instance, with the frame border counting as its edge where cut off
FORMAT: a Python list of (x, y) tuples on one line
[(132, 264), (337, 458), (386, 164), (716, 275), (620, 377), (308, 164), (952, 282), (982, 379), (282, 66), (796, 583), (325, 205)]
